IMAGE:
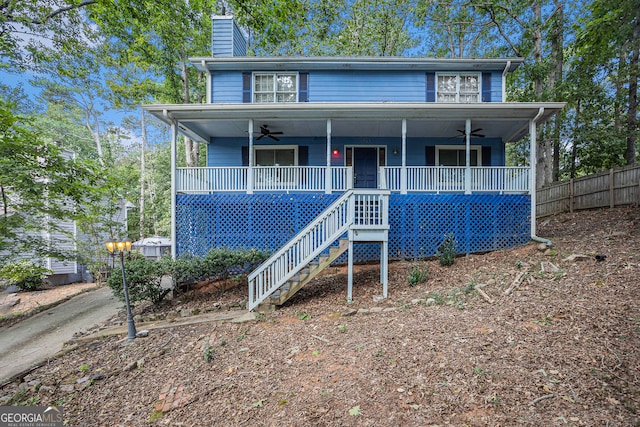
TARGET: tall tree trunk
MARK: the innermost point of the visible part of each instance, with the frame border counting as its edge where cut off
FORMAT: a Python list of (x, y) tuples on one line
[(634, 74), (542, 162), (574, 148), (191, 147), (557, 53), (142, 173)]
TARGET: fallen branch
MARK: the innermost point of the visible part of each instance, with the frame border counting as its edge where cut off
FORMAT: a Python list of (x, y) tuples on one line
[(484, 295), (516, 282), (541, 398)]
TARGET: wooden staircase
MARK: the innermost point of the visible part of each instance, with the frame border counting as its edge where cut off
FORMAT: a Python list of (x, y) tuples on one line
[(362, 215), (297, 282)]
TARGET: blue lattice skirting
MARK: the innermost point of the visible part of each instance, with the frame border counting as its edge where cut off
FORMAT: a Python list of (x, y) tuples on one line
[(418, 222)]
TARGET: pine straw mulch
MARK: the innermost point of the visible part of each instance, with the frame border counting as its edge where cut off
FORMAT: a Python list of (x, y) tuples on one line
[(562, 348)]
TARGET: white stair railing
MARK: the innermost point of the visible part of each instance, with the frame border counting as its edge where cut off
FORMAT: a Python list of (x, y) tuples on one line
[(299, 251)]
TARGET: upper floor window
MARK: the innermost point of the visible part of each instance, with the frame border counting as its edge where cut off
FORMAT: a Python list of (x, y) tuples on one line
[(458, 87), (275, 87)]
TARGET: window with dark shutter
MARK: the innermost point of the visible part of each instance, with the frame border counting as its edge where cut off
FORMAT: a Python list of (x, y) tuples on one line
[(486, 87), (431, 87), (246, 87), (303, 87)]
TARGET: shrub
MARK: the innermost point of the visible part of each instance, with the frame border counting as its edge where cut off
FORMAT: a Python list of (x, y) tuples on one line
[(144, 278), (447, 250), (24, 274), (418, 275)]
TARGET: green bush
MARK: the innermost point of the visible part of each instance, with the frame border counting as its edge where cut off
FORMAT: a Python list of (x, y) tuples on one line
[(143, 276), (418, 275), (24, 274), (447, 250)]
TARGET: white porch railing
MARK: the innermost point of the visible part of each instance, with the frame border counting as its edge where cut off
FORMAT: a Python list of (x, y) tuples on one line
[(452, 179), (362, 208), (265, 178)]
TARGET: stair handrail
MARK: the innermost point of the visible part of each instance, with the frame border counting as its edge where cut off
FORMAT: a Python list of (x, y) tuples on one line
[(319, 234)]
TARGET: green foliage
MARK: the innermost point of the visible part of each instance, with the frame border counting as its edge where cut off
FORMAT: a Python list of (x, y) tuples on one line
[(24, 274), (447, 250), (418, 275), (208, 353), (143, 279), (217, 264)]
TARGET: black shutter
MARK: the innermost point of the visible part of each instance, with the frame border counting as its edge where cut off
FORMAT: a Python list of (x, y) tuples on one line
[(486, 156), (246, 87), (486, 87), (245, 156), (431, 87), (303, 155), (430, 154), (303, 88)]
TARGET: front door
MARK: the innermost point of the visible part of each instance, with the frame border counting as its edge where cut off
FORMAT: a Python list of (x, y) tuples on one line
[(365, 167)]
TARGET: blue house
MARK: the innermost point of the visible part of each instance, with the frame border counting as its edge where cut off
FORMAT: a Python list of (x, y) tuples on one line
[(357, 158)]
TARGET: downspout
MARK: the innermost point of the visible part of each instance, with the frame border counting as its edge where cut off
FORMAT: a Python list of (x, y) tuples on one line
[(532, 178), (504, 81), (328, 178)]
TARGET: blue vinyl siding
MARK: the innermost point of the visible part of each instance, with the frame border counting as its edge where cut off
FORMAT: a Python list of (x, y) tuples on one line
[(496, 87), (228, 151), (227, 39), (226, 87), (367, 86)]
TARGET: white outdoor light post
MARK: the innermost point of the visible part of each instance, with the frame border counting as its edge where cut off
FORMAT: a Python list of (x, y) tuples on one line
[(119, 247)]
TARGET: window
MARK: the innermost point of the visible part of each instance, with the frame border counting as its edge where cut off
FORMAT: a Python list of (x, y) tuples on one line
[(275, 87), (458, 88), (276, 155), (456, 156)]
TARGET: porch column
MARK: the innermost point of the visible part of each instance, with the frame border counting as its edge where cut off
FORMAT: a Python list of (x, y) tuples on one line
[(174, 139), (250, 168), (467, 172), (533, 155), (403, 170), (327, 178)]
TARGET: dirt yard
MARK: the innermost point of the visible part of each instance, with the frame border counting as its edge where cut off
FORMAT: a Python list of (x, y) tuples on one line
[(521, 337)]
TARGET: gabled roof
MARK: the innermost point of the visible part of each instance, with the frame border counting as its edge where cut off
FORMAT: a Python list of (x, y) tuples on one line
[(297, 63)]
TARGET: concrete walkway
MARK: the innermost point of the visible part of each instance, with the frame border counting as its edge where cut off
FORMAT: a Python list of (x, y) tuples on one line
[(34, 340)]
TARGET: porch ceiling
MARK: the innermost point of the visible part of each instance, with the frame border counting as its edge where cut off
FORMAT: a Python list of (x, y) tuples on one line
[(507, 121)]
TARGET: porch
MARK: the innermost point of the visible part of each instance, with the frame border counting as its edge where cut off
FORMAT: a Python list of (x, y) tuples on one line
[(397, 179)]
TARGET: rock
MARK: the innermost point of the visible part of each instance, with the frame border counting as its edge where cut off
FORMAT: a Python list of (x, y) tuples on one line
[(430, 301), (67, 388), (83, 379), (542, 247), (348, 312), (44, 389), (376, 309), (171, 316), (140, 363), (363, 311), (34, 384), (389, 309), (130, 367), (185, 312), (417, 301), (378, 298), (138, 318), (97, 377), (142, 334), (5, 399)]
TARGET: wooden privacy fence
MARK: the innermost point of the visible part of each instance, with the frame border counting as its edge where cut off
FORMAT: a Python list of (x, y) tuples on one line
[(615, 187)]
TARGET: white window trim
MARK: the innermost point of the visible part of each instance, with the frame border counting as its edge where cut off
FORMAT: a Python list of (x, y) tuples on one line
[(276, 147), (275, 75), (457, 75), (477, 148)]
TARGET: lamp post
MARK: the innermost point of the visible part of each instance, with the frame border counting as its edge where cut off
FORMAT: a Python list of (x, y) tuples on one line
[(119, 247)]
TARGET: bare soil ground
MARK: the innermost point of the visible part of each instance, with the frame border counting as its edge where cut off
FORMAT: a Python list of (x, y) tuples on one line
[(542, 346)]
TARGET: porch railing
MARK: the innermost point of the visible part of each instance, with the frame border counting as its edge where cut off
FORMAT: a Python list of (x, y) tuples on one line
[(438, 179), (264, 178), (452, 179)]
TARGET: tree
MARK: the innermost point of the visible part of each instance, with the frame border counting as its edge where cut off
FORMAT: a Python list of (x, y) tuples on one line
[(39, 187)]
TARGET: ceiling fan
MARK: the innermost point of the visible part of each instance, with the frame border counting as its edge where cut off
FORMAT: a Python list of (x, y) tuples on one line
[(474, 132), (264, 131)]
